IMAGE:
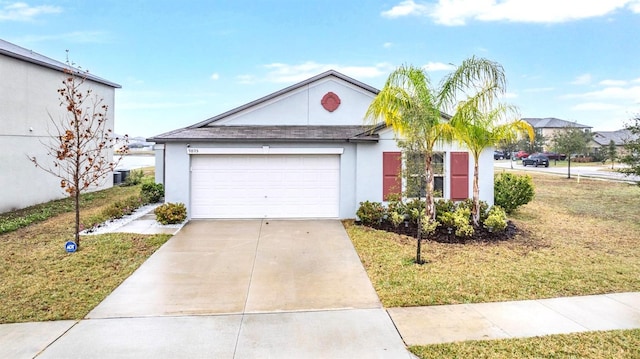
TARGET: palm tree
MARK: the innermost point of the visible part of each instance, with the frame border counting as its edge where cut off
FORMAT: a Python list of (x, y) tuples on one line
[(478, 130), (408, 104), (478, 123)]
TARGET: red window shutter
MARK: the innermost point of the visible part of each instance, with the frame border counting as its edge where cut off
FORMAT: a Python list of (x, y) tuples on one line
[(459, 175), (391, 167)]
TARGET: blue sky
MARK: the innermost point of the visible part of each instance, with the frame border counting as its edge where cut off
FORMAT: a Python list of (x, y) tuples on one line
[(180, 62)]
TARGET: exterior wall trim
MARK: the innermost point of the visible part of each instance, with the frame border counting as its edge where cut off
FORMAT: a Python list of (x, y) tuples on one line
[(264, 150)]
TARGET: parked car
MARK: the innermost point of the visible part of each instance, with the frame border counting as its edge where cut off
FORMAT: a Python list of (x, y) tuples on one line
[(501, 155), (521, 154), (536, 159), (555, 156)]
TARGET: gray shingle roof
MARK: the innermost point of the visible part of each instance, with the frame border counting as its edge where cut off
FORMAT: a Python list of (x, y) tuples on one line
[(619, 137), (20, 53), (552, 122), (271, 133)]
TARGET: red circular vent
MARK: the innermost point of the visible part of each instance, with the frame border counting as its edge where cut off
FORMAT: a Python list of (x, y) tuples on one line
[(330, 101)]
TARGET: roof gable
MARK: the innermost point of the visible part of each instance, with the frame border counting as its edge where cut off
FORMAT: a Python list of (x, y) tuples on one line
[(20, 53), (619, 137), (300, 104)]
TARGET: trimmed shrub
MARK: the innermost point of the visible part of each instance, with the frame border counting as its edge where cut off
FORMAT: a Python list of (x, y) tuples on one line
[(171, 213), (371, 213), (151, 192), (460, 220), (396, 218), (496, 219), (134, 178), (414, 208), (512, 191), (468, 203), (122, 208)]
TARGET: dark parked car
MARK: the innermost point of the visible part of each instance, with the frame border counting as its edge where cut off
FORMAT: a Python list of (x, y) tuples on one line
[(555, 156), (501, 155), (536, 159)]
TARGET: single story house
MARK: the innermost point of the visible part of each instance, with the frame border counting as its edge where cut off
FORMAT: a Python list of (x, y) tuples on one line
[(28, 101), (301, 152), (549, 126)]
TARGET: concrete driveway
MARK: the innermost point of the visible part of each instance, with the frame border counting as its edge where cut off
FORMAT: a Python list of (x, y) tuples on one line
[(242, 289)]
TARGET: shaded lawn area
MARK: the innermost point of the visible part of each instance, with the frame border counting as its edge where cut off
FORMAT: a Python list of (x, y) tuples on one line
[(40, 281), (610, 344), (578, 239)]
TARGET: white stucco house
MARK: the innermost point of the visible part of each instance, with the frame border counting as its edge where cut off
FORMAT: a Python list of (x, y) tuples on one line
[(28, 95), (301, 152)]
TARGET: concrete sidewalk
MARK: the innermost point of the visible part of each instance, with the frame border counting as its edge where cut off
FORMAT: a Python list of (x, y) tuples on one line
[(518, 319)]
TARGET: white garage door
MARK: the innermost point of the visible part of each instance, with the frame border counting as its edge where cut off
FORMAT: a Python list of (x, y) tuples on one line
[(265, 186)]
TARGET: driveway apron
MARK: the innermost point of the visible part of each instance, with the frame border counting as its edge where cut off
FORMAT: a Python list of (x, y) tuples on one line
[(242, 289)]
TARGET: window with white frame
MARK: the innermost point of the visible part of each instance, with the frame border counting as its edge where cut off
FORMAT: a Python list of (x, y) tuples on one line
[(414, 168)]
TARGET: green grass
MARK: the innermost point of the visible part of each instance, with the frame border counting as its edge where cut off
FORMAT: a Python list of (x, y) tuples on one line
[(577, 239), (41, 281), (596, 345)]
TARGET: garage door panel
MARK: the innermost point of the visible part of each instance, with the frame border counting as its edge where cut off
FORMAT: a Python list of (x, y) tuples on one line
[(258, 186)]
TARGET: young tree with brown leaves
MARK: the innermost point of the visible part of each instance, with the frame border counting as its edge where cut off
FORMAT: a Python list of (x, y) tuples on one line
[(80, 142)]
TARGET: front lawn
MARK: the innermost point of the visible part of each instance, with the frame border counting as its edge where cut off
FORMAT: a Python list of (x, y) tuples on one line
[(578, 239), (596, 345), (40, 281)]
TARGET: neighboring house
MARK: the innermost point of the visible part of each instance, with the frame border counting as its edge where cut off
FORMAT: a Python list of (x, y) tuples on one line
[(547, 127), (299, 152), (28, 97), (601, 139)]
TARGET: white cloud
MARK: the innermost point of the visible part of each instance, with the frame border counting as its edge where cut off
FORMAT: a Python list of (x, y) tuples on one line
[(612, 83), (583, 79), (215, 76), (289, 73), (458, 12), (387, 45), (509, 95), (438, 66), (20, 11), (611, 93), (406, 8)]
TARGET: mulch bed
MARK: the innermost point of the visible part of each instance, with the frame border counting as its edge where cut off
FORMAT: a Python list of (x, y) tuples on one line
[(443, 235)]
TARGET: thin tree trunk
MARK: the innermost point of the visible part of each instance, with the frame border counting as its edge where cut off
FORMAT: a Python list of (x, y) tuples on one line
[(569, 167), (429, 199), (77, 204), (476, 195), (419, 246)]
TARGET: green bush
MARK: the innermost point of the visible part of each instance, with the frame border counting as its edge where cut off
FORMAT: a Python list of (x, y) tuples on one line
[(134, 178), (151, 192), (171, 213), (512, 191), (496, 220), (371, 213), (460, 220), (468, 203), (414, 208), (122, 208)]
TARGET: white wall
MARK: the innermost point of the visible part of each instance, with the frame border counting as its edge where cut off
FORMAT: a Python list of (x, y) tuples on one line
[(178, 170), (28, 94), (302, 107), (369, 168)]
